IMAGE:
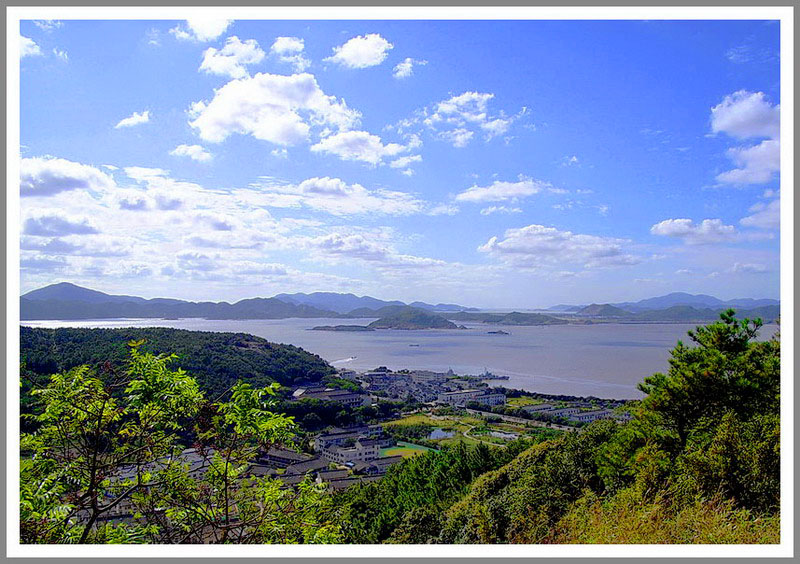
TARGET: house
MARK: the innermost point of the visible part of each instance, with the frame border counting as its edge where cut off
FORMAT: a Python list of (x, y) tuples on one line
[(345, 397), (281, 457), (376, 467), (302, 468), (589, 416), (362, 449), (566, 412), (463, 397), (538, 408)]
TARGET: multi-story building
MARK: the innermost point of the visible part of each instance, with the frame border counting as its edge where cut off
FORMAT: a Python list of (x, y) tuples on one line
[(463, 397), (322, 393)]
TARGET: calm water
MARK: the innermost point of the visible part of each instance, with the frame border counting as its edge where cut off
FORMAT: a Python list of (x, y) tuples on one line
[(604, 360)]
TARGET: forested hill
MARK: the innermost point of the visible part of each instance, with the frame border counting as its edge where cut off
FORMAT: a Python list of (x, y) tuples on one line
[(216, 360)]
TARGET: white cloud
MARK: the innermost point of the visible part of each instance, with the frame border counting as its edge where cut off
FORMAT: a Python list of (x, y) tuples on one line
[(570, 161), (359, 247), (270, 107), (764, 216), (194, 152), (361, 52), (334, 196), (706, 232), (405, 68), (748, 268), (45, 176), (47, 25), (458, 118), (61, 54), (443, 209), (290, 50), (28, 47), (403, 162), (744, 115), (135, 118), (756, 165), (358, 146), (537, 246), (500, 191), (232, 59), (500, 209), (201, 29), (54, 223), (457, 137)]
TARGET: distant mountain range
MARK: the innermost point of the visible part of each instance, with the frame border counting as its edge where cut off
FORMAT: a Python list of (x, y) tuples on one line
[(674, 299), (66, 301), (346, 303)]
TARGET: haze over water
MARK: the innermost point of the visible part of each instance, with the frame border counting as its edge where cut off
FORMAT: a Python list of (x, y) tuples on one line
[(603, 360)]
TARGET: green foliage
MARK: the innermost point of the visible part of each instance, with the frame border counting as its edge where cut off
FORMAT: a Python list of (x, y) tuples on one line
[(107, 451), (216, 360), (413, 492), (628, 519)]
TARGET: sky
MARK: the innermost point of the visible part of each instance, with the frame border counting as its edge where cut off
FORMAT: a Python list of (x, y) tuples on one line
[(487, 163)]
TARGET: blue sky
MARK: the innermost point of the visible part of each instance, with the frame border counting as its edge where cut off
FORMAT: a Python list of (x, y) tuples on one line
[(495, 164)]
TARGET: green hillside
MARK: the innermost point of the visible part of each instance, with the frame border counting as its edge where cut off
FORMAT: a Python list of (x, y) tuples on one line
[(412, 318), (217, 360)]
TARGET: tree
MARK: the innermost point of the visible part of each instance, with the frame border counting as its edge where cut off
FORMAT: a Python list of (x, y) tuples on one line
[(725, 370), (110, 447)]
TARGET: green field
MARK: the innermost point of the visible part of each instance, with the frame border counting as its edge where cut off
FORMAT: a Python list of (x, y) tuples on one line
[(403, 449)]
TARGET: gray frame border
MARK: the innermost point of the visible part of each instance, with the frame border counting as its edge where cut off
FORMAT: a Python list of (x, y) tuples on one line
[(329, 3)]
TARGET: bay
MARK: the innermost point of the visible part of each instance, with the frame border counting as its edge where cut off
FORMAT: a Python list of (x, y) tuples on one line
[(603, 360)]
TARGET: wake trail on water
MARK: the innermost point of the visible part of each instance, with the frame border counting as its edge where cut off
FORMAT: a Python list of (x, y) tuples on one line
[(343, 360)]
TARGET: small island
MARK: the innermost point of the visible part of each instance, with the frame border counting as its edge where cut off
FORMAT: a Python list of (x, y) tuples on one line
[(499, 332), (410, 318), (356, 328)]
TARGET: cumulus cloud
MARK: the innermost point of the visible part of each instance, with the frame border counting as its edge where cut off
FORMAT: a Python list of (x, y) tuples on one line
[(335, 196), (744, 115), (359, 146), (46, 176), (232, 59), (500, 209), (537, 245), (274, 108), (54, 224), (61, 54), (194, 152), (755, 165), (764, 216), (403, 162), (706, 232), (135, 118), (290, 50), (28, 47), (361, 52), (748, 115), (201, 29), (500, 191), (405, 68)]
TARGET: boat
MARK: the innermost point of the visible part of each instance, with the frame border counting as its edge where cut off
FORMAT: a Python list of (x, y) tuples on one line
[(413, 345), (499, 332)]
